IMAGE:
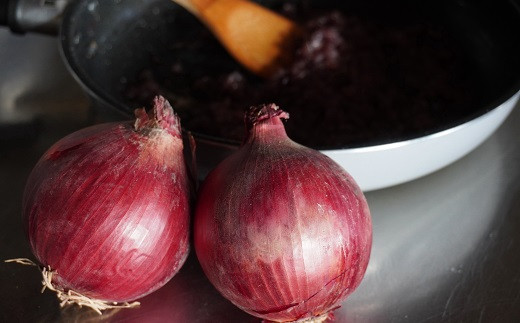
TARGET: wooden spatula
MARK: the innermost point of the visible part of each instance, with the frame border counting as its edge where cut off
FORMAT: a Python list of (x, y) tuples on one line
[(258, 38)]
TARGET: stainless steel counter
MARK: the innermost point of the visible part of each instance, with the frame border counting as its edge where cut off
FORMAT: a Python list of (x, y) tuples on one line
[(446, 247)]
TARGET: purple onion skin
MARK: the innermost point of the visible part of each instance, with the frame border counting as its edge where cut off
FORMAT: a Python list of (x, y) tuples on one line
[(281, 230), (108, 208)]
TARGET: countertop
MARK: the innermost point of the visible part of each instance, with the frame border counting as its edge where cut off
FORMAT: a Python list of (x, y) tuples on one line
[(446, 247)]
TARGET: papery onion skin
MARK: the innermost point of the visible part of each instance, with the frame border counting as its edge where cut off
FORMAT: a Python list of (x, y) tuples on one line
[(281, 230), (108, 207)]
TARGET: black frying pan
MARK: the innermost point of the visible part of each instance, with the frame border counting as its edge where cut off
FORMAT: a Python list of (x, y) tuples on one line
[(107, 44)]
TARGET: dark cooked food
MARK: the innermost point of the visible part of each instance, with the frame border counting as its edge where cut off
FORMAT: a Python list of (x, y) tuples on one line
[(354, 81)]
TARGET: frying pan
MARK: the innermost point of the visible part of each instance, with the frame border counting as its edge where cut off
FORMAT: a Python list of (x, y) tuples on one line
[(107, 43)]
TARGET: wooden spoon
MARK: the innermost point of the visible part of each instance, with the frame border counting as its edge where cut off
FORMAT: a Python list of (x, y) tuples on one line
[(258, 38)]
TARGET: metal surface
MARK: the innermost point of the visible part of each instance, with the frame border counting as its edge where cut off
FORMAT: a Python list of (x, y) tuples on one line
[(33, 15), (446, 247)]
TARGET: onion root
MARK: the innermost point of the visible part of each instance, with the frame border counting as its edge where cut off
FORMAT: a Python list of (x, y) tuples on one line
[(314, 319), (71, 297)]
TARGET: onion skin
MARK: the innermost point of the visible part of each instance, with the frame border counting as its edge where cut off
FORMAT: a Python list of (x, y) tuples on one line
[(107, 207), (281, 230)]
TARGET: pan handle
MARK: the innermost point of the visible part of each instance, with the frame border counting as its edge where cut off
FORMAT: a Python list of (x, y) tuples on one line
[(41, 16)]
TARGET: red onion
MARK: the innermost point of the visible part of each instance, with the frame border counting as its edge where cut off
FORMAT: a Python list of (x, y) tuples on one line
[(281, 230), (106, 209)]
